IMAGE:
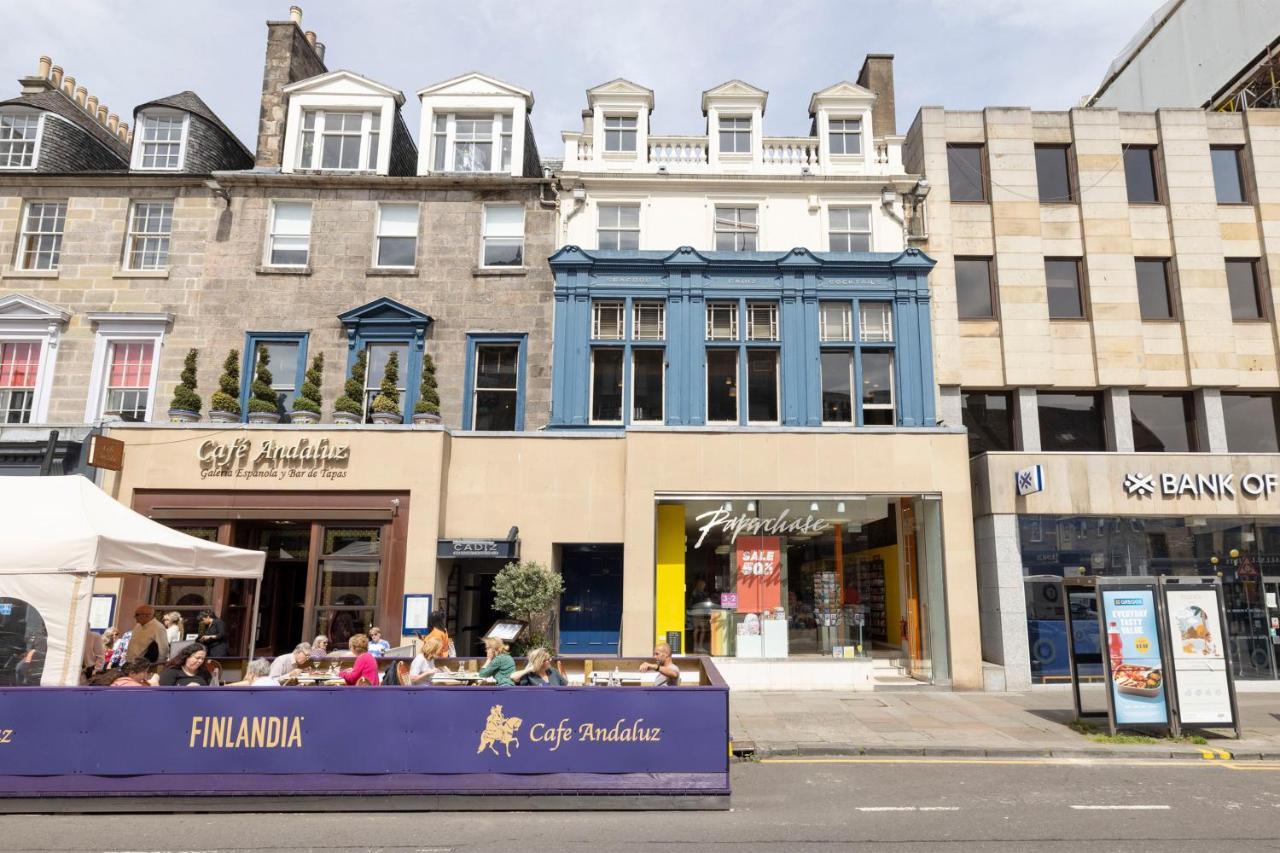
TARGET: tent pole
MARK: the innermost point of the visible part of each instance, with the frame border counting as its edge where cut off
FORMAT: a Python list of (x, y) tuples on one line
[(253, 621)]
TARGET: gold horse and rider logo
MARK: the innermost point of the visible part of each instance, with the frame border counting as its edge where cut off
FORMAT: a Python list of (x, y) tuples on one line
[(499, 728)]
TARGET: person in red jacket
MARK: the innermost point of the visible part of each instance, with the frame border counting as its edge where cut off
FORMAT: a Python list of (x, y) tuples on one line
[(365, 670)]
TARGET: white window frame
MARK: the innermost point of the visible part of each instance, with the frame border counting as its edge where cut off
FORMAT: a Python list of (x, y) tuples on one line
[(591, 386), (613, 331), (893, 389), (770, 310), (883, 331), (736, 130), (485, 237), (476, 390), (633, 129), (25, 319), (378, 235), (832, 230), (618, 229), (272, 233), (139, 139), (501, 140), (366, 152), (735, 226), (132, 235), (123, 328), (25, 234), (631, 402), (642, 305), (832, 132), (845, 332), (39, 116), (732, 308)]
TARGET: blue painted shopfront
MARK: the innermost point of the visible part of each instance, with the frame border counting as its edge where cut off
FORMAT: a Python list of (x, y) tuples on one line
[(790, 314)]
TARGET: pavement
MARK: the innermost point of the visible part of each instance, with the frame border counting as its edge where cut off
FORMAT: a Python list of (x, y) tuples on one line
[(924, 721)]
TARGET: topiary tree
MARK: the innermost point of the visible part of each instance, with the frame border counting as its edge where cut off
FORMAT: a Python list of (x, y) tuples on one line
[(227, 397), (428, 396), (351, 400), (388, 399), (262, 397), (185, 397), (528, 591), (308, 399)]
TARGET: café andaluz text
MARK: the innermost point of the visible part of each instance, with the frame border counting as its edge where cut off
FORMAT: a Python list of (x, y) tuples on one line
[(273, 460)]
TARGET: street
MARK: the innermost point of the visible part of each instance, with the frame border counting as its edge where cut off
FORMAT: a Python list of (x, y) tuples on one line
[(792, 804)]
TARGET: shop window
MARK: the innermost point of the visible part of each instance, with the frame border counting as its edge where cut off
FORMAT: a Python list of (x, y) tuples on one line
[(649, 321), (735, 135), (1244, 289), (1071, 422), (762, 386), (496, 384), (975, 291), (722, 321), (1228, 176), (620, 133), (150, 229), (1062, 278), (1155, 296), (40, 243), (397, 236), (845, 137), (849, 229), (875, 322), (376, 368), (607, 320), (503, 236), (967, 172), (647, 385), (878, 405), (835, 321), (348, 582), (1053, 173), (762, 321), (606, 385), (289, 240), (1163, 423), (988, 416), (618, 226), (1251, 421), (837, 387), (1140, 175), (286, 354), (736, 229), (19, 368), (722, 386)]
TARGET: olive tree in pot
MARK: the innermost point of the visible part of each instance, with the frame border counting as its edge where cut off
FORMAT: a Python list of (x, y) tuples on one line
[(264, 405), (185, 406), (224, 406), (386, 405), (427, 409), (528, 591), (349, 408), (306, 406)]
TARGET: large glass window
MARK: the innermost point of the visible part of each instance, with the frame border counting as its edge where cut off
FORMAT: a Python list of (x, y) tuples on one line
[(1062, 278), (722, 385), (974, 291), (878, 397), (619, 226), (19, 364), (466, 143), (850, 229), (735, 135), (496, 386), (647, 392), (620, 133), (376, 368), (837, 387), (1140, 175), (348, 582), (1228, 177), (150, 228), (1071, 422), (343, 136), (1163, 423), (1251, 421), (762, 386), (1243, 289), (18, 132), (966, 172), (1053, 173), (397, 236), (40, 244), (606, 385), (1155, 297), (736, 229), (503, 235), (289, 241), (988, 416), (845, 135)]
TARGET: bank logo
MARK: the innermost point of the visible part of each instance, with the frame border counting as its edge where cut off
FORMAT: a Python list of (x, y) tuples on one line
[(1140, 484), (499, 728)]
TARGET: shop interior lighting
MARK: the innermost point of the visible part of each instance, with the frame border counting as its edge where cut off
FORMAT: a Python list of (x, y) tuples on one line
[(751, 506), (813, 507), (840, 506)]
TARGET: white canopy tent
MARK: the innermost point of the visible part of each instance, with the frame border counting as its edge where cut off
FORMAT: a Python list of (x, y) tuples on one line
[(60, 532)]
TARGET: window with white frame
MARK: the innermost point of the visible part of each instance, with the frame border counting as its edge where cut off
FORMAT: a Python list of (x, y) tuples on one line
[(762, 321), (19, 137), (736, 229), (835, 321), (40, 243), (877, 388), (19, 367), (620, 133), (147, 243), (619, 226), (722, 321), (339, 140), (849, 229), (161, 138), (128, 382), (467, 143), (397, 236), (289, 239), (844, 135), (649, 321), (503, 236), (607, 318), (735, 135), (875, 322)]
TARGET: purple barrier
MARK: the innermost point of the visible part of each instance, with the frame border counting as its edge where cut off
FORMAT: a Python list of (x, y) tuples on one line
[(265, 740)]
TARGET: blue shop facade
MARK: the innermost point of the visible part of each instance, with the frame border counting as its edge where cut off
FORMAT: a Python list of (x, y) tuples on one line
[(692, 338)]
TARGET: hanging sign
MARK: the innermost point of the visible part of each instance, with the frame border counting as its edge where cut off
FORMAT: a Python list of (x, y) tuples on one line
[(1198, 658), (759, 562), (1133, 653), (1029, 480)]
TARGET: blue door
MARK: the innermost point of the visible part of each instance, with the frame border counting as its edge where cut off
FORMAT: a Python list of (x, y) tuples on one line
[(591, 606)]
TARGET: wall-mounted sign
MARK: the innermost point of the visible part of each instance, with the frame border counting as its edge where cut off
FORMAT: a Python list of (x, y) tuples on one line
[(1198, 657), (1221, 486), (1029, 480), (734, 526), (1133, 656), (245, 459), (106, 453), (478, 549)]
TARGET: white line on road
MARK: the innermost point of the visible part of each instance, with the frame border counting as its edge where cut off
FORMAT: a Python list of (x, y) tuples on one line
[(908, 808), (1121, 808)]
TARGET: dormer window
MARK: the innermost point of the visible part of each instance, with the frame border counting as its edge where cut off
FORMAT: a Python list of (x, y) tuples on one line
[(735, 135), (467, 143), (620, 133), (339, 140), (19, 135), (845, 135), (160, 140)]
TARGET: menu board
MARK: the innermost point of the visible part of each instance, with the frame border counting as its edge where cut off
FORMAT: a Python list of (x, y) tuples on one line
[(1198, 657), (1133, 649), (759, 561)]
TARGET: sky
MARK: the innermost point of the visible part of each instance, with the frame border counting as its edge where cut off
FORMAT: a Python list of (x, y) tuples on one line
[(961, 54)]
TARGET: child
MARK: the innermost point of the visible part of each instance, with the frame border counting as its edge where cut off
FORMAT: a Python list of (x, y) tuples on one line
[(377, 646)]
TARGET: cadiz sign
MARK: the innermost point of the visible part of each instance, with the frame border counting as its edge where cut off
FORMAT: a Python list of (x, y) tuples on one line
[(273, 460), (1180, 485)]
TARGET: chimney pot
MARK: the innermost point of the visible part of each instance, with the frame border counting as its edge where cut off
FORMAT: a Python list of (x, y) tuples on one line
[(91, 105), (55, 76), (81, 94), (311, 37), (123, 132), (295, 14), (102, 115), (68, 86), (113, 121), (319, 46), (43, 69)]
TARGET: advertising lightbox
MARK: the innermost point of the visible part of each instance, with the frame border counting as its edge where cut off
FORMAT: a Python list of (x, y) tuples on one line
[(1135, 669), (1198, 657)]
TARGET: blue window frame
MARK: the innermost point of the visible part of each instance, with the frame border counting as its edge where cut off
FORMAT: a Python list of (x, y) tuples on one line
[(286, 377), (386, 321), (495, 368), (628, 361)]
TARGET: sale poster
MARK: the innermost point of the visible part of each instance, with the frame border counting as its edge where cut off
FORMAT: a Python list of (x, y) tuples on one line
[(759, 562), (1199, 657), (1133, 648)]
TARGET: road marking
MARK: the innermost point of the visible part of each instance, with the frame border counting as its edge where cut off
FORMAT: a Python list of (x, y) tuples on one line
[(1211, 754), (908, 808), (1121, 808), (1049, 761)]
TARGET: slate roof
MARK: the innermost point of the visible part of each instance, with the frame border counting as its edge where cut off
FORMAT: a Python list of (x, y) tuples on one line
[(58, 103), (190, 102)]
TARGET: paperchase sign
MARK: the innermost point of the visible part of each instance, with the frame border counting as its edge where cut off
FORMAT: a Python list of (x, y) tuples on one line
[(269, 459), (1222, 486)]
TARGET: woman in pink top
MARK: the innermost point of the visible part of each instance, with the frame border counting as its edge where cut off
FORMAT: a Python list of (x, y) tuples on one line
[(365, 669)]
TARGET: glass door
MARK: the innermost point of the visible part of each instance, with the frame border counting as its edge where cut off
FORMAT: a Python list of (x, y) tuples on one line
[(1271, 599)]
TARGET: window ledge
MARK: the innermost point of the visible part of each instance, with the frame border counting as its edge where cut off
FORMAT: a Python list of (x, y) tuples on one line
[(269, 270), (10, 272), (1251, 321), (498, 271), (140, 273), (391, 271)]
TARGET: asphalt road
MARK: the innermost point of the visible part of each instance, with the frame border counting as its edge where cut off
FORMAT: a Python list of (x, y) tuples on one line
[(782, 805)]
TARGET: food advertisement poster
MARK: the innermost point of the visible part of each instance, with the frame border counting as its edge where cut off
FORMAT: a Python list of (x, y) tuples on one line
[(1133, 647), (759, 561), (1199, 659)]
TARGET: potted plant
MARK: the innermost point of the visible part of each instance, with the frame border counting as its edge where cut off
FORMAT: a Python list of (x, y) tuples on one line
[(528, 591), (348, 408), (386, 405), (224, 406), (427, 409), (306, 406), (264, 405), (185, 406)]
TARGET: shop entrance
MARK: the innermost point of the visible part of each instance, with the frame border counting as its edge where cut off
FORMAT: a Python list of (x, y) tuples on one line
[(591, 606), (281, 610), (471, 604)]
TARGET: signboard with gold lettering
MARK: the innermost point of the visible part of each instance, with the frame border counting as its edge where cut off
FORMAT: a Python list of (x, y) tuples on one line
[(272, 459), (106, 453)]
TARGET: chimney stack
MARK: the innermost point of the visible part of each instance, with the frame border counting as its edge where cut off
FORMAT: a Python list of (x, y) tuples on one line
[(292, 55), (877, 75), (38, 82)]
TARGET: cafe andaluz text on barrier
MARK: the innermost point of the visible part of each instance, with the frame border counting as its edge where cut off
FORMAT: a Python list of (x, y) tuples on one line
[(270, 459)]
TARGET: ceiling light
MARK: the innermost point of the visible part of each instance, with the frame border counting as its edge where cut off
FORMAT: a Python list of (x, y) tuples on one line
[(840, 507), (751, 506), (813, 507)]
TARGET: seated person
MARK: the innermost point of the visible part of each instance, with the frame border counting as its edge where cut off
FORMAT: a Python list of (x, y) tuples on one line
[(538, 671), (498, 665), (668, 672), (377, 646), (134, 673), (319, 647), (292, 662), (364, 671), (257, 674), (186, 668), (424, 664)]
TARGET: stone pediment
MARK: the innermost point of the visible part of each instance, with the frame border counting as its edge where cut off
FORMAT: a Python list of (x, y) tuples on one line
[(384, 311), (736, 91), (841, 93), (343, 83), (18, 308), (620, 89), (475, 84)]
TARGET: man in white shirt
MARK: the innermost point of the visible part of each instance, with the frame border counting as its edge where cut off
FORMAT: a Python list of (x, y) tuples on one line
[(287, 663), (146, 632)]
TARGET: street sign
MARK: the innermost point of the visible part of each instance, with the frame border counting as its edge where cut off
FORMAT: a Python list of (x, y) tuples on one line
[(106, 453)]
